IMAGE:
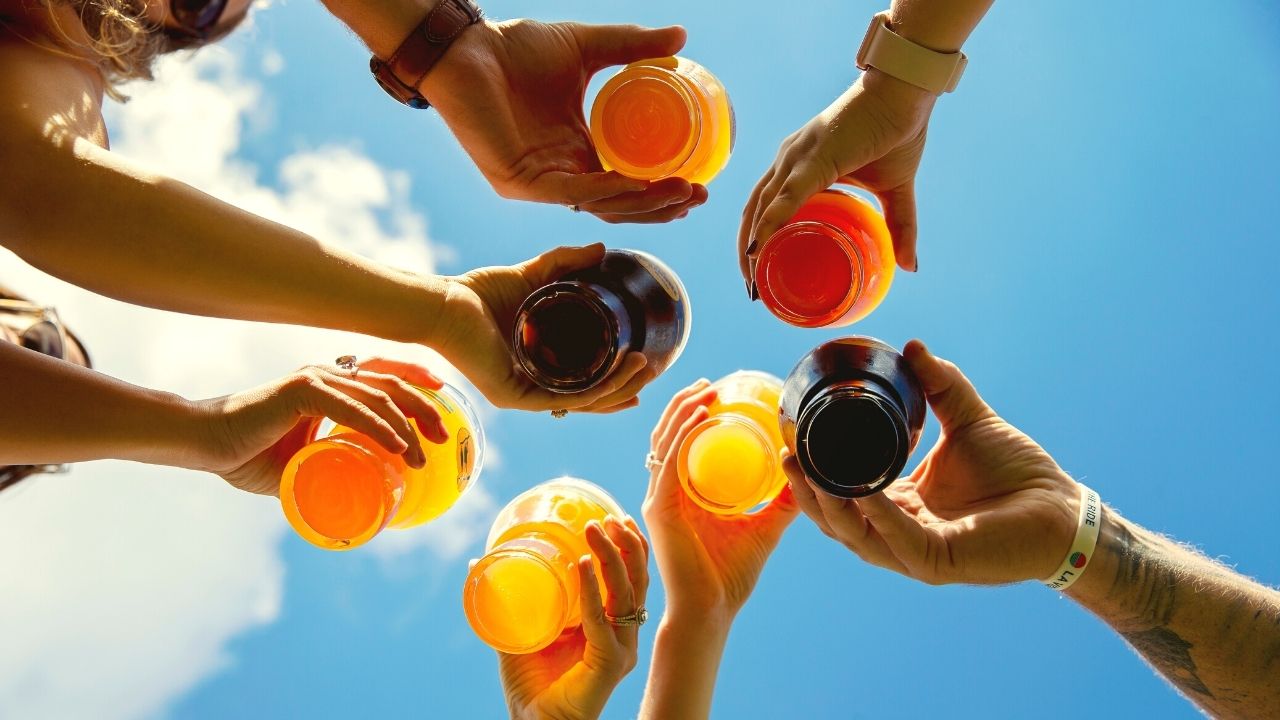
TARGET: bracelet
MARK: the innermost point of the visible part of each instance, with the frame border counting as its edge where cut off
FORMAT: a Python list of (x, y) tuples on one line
[(1083, 546)]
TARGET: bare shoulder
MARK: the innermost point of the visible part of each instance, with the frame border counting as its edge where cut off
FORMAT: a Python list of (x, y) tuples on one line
[(47, 92)]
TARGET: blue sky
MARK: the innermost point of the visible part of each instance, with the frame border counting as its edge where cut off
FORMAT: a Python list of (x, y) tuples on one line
[(1097, 247)]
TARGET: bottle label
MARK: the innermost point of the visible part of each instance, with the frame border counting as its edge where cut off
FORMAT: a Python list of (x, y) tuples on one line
[(663, 278), (466, 458)]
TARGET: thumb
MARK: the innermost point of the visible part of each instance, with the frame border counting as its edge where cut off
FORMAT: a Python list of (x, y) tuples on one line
[(900, 214), (555, 264), (953, 398), (605, 45), (779, 513)]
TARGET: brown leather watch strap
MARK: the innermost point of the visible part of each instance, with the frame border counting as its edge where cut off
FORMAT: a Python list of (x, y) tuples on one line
[(402, 73)]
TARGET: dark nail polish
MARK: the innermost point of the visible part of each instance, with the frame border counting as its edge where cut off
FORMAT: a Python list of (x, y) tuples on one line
[(915, 267), (755, 291), (751, 247), (750, 289)]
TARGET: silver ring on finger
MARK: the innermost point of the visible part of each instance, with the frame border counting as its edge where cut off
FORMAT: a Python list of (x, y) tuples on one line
[(637, 618), (348, 363), (651, 461), (576, 208)]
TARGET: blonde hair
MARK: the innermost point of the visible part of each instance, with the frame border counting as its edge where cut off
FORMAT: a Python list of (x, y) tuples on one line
[(123, 42)]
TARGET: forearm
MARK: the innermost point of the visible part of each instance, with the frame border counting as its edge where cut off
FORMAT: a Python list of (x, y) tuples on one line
[(54, 412), (88, 216), (682, 675), (1212, 633), (941, 25), (381, 24)]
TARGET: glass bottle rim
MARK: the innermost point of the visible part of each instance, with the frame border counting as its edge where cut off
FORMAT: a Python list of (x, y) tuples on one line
[(842, 241), (672, 79)]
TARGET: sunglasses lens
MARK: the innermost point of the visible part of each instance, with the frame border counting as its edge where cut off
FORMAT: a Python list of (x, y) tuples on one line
[(43, 337), (197, 14)]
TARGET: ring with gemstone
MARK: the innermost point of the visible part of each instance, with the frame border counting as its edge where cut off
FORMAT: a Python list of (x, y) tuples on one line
[(651, 461), (637, 618), (348, 363)]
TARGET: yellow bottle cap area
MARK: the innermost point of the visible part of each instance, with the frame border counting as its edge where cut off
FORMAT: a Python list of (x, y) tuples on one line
[(336, 495), (516, 602), (727, 465), (646, 123)]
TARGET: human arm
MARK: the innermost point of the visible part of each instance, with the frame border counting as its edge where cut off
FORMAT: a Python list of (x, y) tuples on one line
[(82, 213), (54, 412), (709, 565), (512, 93), (873, 136), (988, 505), (572, 678)]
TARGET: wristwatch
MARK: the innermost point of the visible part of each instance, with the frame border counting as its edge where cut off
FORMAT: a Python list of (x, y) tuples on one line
[(894, 55), (402, 73)]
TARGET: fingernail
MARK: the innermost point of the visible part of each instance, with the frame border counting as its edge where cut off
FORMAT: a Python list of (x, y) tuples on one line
[(442, 430), (750, 289), (915, 267), (755, 291), (751, 247)]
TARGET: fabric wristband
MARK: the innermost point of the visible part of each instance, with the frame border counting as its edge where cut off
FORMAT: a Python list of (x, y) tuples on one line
[(1082, 547)]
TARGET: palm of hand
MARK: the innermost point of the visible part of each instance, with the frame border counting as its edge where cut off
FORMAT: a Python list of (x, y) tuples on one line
[(727, 553), (252, 456), (260, 474), (550, 683), (989, 498), (522, 116), (482, 309)]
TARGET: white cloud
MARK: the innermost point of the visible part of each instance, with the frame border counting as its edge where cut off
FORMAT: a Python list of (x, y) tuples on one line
[(122, 583)]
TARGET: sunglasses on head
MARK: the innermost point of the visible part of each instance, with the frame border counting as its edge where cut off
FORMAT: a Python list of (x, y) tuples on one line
[(45, 335), (196, 18)]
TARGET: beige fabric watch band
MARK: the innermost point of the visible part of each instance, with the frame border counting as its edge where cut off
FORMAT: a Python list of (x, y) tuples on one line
[(895, 55)]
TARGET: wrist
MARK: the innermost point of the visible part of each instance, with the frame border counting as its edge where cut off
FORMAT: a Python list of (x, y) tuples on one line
[(697, 625), (180, 437), (471, 49), (1114, 535), (899, 95)]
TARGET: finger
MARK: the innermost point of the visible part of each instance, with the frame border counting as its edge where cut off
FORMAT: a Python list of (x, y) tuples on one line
[(318, 398), (900, 214), (605, 45), (594, 626), (409, 372), (631, 365), (953, 398), (634, 557), (774, 518), (556, 263), (411, 402), (625, 393), (675, 432), (805, 496), (658, 195), (901, 533), (661, 215), (669, 412), (766, 198), (852, 530), (566, 188), (747, 224), (619, 595), (667, 488), (802, 183), (611, 409), (644, 542), (382, 404)]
